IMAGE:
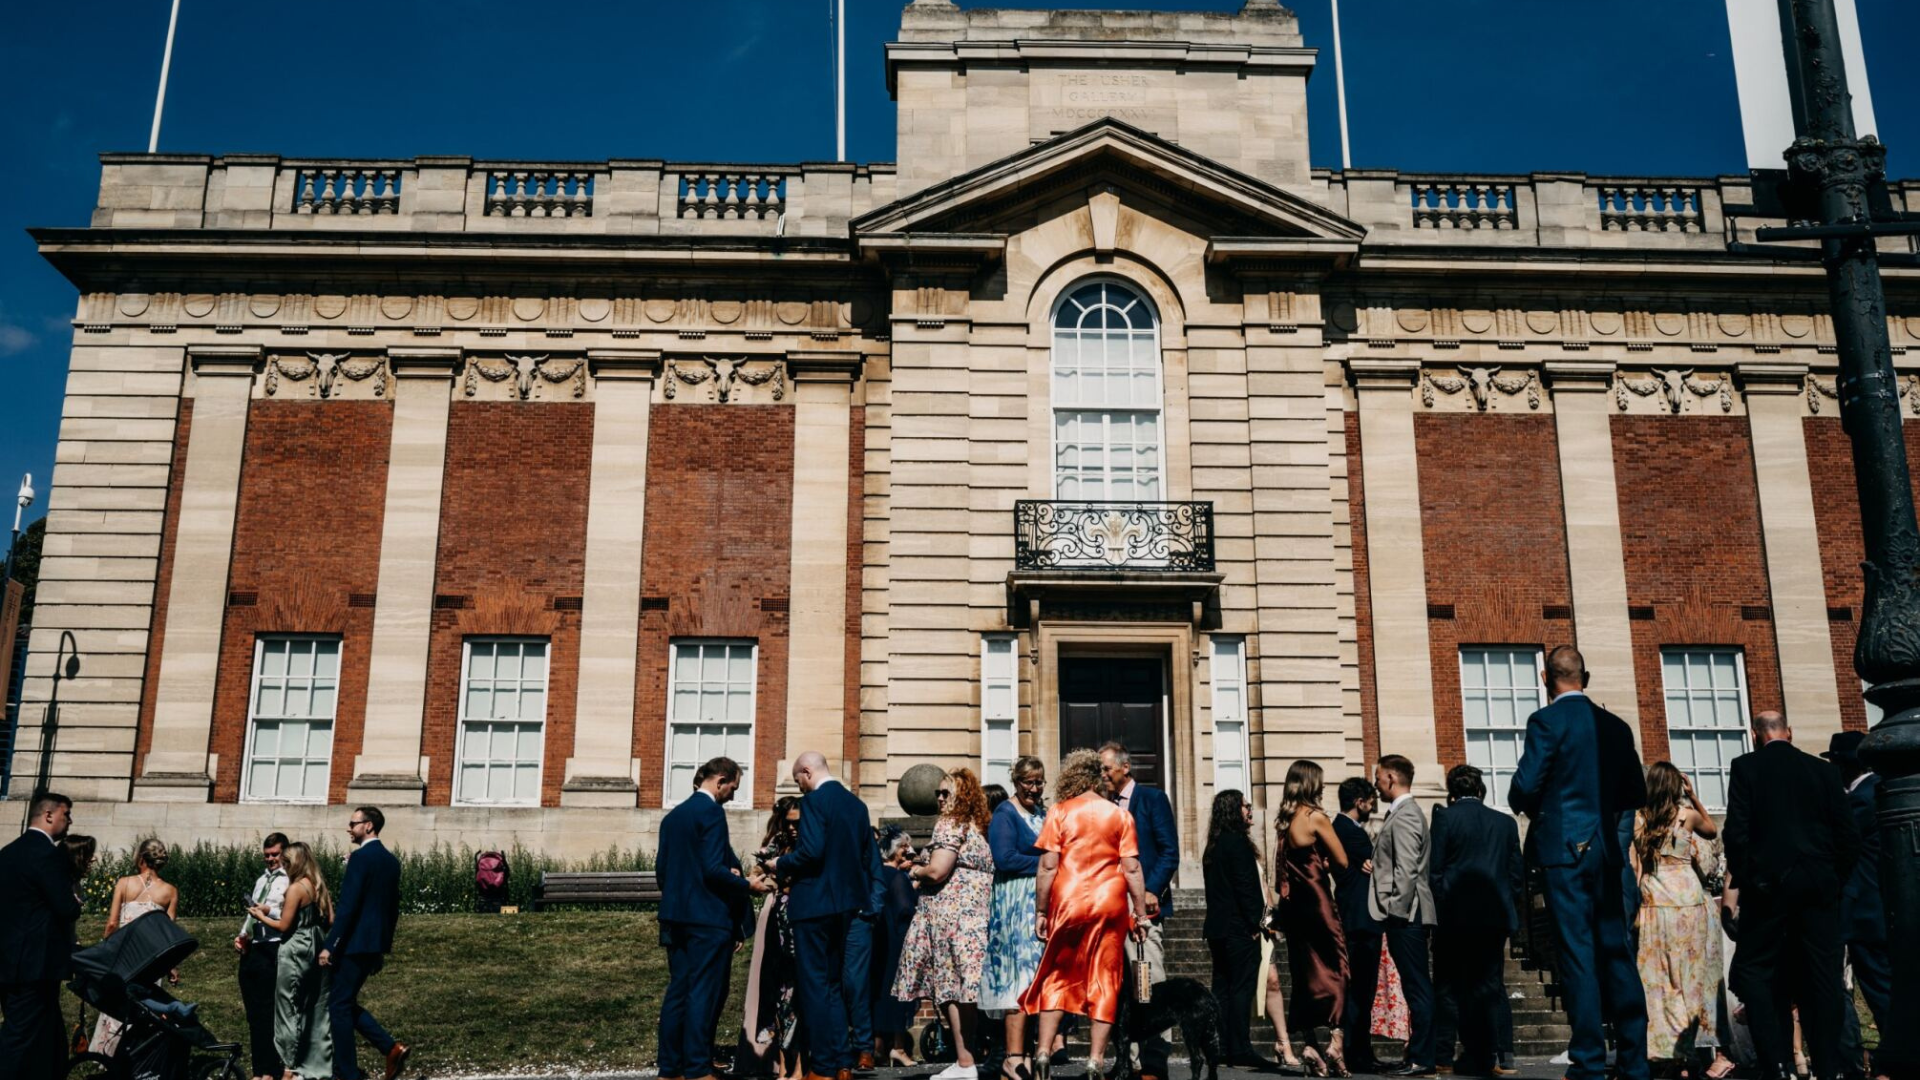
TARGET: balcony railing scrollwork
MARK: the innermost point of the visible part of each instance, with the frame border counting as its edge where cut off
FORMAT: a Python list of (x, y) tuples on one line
[(1145, 536)]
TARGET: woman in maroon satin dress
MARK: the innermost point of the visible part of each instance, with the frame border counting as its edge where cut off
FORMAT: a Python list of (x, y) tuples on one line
[(1316, 946)]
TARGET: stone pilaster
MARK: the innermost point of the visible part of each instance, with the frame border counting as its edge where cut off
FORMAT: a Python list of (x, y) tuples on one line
[(1596, 558), (1794, 574), (176, 767), (1397, 569), (601, 771), (817, 636), (389, 766)]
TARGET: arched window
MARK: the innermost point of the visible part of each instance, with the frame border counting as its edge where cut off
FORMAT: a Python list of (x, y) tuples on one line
[(1106, 396)]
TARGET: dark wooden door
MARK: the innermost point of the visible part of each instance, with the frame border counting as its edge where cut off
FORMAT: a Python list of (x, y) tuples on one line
[(1104, 698)]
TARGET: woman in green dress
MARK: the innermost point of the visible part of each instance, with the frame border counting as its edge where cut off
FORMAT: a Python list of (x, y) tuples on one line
[(301, 1032)]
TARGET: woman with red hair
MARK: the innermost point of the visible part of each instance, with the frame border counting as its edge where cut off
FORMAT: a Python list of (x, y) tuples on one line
[(945, 954)]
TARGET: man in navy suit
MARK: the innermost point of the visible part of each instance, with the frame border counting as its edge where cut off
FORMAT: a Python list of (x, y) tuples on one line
[(1578, 774), (1866, 913), (357, 946), (1351, 887), (1476, 880), (703, 900), (37, 912), (831, 866), (1159, 861)]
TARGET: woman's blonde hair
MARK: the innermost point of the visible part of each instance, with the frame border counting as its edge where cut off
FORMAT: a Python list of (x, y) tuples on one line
[(302, 866), (1079, 774), (153, 852), (1305, 783)]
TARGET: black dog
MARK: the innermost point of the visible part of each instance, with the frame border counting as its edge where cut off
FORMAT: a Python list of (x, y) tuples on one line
[(1177, 1001)]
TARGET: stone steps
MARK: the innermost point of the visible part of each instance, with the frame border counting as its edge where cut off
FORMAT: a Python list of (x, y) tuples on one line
[(1539, 1025)]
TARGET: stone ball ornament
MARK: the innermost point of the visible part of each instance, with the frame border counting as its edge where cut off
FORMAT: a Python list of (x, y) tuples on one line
[(917, 789)]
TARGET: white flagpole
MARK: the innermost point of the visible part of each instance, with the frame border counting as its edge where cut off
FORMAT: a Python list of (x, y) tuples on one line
[(839, 83), (1340, 88), (166, 62)]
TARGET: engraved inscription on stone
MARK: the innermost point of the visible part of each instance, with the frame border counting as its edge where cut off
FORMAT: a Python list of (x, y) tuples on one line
[(1072, 99)]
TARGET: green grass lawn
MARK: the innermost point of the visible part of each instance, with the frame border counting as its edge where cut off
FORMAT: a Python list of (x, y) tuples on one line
[(490, 993)]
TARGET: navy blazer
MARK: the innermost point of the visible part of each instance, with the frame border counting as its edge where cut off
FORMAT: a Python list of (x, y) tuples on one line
[(1475, 869), (1012, 841), (369, 906), (1159, 843), (37, 910), (1866, 911), (1352, 885), (697, 869), (1578, 774), (834, 861)]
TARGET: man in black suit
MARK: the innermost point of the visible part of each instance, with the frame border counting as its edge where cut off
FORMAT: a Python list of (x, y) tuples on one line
[(1866, 912), (1791, 847), (357, 946), (1476, 879), (37, 912), (703, 906), (831, 865), (1351, 887)]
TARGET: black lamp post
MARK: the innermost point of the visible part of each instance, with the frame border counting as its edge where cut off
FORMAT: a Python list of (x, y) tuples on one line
[(1839, 180)]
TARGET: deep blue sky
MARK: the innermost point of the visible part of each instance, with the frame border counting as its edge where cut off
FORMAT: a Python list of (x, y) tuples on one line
[(1604, 86)]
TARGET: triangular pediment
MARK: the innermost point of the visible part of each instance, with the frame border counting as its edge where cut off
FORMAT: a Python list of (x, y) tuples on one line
[(1003, 196)]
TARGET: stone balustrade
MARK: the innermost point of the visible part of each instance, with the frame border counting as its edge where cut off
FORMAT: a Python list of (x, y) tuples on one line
[(459, 194)]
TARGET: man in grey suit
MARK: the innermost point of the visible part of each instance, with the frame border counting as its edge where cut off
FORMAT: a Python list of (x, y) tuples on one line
[(1403, 902)]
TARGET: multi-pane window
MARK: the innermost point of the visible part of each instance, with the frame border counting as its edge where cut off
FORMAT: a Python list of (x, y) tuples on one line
[(1106, 396), (1706, 692), (296, 682), (1499, 688), (503, 720), (1229, 677), (999, 709), (710, 700)]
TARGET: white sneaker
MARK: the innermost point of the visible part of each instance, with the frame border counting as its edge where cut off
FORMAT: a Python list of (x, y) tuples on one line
[(958, 1072), (1562, 1058)]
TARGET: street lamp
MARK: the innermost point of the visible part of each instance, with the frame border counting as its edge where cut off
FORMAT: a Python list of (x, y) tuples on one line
[(1838, 181), (21, 503)]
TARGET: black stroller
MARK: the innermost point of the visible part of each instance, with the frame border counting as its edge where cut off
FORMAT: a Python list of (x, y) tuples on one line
[(162, 1039)]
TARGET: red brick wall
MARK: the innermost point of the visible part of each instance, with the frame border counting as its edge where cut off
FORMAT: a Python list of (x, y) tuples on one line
[(1494, 539), (306, 536), (718, 546), (856, 558), (513, 538), (1690, 527), (1836, 513), (157, 630), (1362, 596)]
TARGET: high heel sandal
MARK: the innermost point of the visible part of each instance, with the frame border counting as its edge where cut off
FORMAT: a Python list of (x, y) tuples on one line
[(902, 1059), (1289, 1061), (1043, 1067), (1021, 1072), (1337, 1063), (1316, 1065)]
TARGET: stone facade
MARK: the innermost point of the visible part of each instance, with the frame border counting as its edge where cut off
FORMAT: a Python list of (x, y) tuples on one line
[(776, 458)]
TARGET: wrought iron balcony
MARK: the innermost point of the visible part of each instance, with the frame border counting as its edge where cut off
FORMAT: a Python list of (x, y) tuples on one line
[(1148, 536)]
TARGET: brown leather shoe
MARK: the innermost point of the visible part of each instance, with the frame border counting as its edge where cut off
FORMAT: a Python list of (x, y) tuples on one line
[(843, 1074), (397, 1059), (865, 1063)]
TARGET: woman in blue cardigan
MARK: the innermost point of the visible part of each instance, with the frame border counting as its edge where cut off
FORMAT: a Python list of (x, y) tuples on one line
[(1013, 952)]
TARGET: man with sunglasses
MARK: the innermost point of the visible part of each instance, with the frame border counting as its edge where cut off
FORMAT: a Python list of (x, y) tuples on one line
[(359, 942)]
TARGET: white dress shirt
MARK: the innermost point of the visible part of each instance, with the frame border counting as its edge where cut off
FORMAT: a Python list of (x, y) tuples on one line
[(270, 892)]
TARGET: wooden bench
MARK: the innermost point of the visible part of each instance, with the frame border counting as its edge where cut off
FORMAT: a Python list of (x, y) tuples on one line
[(604, 887)]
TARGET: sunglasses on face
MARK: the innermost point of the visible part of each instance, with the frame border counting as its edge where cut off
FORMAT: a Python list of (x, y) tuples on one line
[(943, 795)]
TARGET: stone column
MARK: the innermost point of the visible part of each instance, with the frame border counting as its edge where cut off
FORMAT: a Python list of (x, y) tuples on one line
[(176, 767), (1794, 570), (1397, 566), (1596, 560), (601, 771), (389, 767), (817, 625)]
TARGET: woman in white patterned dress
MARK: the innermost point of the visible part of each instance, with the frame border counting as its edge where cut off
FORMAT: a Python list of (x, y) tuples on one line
[(139, 894)]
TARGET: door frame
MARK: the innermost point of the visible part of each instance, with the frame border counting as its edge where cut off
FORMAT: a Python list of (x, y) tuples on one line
[(1173, 643)]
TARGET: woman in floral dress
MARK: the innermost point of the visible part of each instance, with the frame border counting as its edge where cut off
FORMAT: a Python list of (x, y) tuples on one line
[(1679, 955), (945, 954)]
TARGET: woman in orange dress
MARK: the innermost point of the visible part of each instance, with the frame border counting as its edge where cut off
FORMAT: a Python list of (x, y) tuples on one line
[(1089, 896)]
